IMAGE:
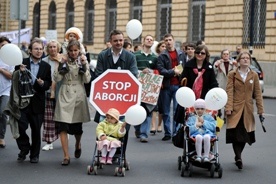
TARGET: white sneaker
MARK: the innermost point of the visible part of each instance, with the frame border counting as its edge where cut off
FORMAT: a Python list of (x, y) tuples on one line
[(206, 160), (198, 159), (48, 147)]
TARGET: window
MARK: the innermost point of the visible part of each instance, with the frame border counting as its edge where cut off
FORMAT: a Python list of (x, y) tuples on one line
[(111, 6), (196, 20), (23, 24), (52, 16), (164, 18), (136, 13), (257, 27), (70, 14), (36, 20), (89, 21)]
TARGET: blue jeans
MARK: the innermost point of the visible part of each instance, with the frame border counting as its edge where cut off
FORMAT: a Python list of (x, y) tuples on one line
[(145, 127), (3, 117), (167, 95)]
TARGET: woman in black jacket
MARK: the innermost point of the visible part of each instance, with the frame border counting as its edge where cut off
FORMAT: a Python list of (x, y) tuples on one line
[(200, 77)]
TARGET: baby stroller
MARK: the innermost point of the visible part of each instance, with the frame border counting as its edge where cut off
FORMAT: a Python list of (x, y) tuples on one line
[(187, 160), (119, 158)]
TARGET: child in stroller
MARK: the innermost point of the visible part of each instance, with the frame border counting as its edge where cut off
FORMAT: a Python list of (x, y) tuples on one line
[(108, 132), (110, 142), (200, 130)]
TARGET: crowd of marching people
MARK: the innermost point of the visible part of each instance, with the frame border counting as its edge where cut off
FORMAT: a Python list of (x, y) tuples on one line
[(48, 90)]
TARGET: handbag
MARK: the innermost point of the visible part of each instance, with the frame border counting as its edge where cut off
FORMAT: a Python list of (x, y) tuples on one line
[(178, 138)]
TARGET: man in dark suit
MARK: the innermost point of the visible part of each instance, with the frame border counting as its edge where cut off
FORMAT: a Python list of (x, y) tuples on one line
[(116, 57), (33, 114)]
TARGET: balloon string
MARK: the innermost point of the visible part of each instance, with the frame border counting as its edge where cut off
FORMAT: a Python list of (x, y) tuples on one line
[(31, 73)]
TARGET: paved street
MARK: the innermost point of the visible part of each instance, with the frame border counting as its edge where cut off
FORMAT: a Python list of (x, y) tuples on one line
[(150, 163)]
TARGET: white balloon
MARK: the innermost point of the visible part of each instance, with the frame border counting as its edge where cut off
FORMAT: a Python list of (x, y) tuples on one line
[(185, 97), (216, 99), (153, 47), (134, 29), (135, 115), (11, 54)]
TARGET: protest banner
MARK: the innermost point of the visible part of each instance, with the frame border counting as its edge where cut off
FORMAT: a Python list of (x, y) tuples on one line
[(151, 85)]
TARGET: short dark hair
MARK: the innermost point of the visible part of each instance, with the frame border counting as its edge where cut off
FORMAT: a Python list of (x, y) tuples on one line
[(115, 32), (190, 45), (35, 40), (3, 38), (167, 35)]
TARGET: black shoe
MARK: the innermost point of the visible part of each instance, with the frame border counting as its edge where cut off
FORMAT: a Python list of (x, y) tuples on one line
[(153, 132), (77, 153), (239, 164), (166, 138), (21, 158), (34, 160), (63, 71), (137, 134)]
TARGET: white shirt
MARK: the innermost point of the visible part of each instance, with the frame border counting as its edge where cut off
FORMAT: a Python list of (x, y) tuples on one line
[(116, 57), (5, 84)]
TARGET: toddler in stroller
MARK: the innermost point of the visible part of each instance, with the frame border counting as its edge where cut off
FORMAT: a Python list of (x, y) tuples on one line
[(110, 133), (200, 145)]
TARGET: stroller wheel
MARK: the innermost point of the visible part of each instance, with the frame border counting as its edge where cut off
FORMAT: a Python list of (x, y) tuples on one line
[(95, 170), (220, 171), (183, 169), (179, 163), (190, 170), (116, 171), (212, 170), (123, 172), (89, 170)]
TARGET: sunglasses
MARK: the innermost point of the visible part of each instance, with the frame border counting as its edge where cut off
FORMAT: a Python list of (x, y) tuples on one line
[(199, 109), (202, 53)]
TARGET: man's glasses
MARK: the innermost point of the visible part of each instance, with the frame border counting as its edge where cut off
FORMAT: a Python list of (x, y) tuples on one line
[(202, 53)]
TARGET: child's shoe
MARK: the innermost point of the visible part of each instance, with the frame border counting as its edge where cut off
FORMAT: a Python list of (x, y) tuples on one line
[(103, 160), (206, 160), (198, 159), (109, 161)]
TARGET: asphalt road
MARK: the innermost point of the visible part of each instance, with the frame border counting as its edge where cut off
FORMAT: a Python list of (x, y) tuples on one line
[(154, 162)]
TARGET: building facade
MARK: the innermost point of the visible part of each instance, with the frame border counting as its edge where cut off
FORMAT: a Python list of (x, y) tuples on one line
[(220, 23)]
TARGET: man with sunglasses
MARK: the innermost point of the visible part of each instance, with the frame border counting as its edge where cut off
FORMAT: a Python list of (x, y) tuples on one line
[(167, 63)]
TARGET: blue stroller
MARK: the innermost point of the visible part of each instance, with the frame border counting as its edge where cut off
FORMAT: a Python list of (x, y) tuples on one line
[(187, 160)]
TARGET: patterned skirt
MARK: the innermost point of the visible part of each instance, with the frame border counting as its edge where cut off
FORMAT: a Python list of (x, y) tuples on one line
[(50, 133)]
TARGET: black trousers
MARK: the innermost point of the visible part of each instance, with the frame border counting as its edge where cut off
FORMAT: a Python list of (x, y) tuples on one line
[(23, 142)]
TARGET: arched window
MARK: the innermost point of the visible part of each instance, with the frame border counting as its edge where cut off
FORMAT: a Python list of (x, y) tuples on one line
[(196, 28), (136, 7), (111, 17), (254, 24), (89, 21), (164, 18), (52, 16), (70, 14), (36, 20)]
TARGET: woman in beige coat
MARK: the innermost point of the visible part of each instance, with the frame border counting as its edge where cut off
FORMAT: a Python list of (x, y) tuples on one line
[(242, 85), (71, 104), (222, 67)]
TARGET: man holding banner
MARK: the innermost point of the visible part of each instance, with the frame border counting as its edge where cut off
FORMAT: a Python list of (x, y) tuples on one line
[(146, 62)]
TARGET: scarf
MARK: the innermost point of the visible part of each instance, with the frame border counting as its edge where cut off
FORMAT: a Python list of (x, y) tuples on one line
[(198, 84)]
